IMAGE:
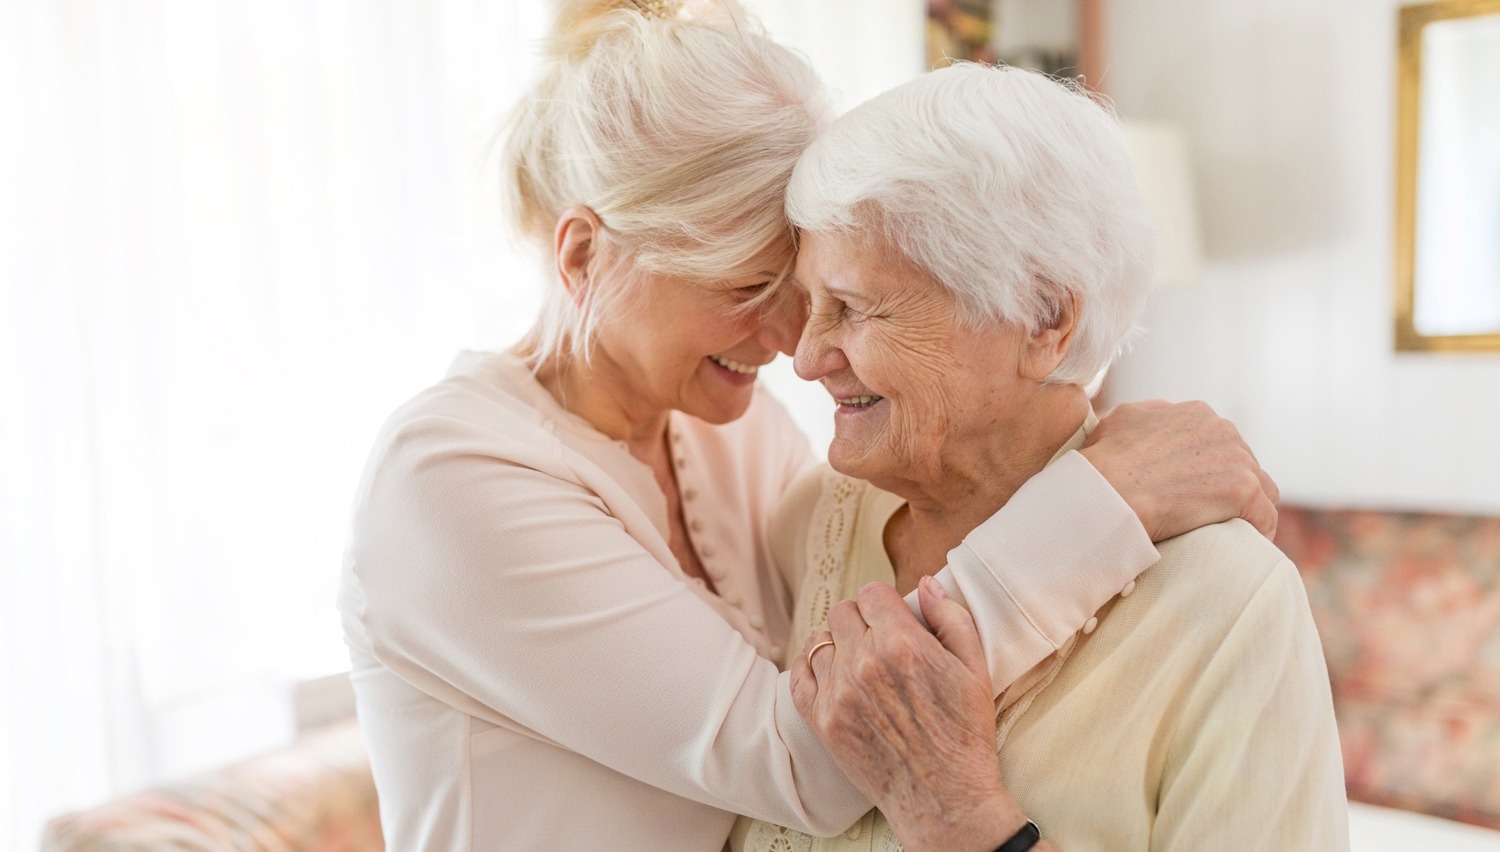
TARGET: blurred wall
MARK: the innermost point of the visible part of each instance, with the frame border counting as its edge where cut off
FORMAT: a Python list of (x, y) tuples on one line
[(1289, 106)]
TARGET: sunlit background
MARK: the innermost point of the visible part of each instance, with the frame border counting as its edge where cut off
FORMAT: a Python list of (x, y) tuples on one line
[(235, 235)]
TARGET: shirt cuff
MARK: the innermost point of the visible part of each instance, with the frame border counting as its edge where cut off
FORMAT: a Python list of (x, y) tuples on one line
[(1037, 570)]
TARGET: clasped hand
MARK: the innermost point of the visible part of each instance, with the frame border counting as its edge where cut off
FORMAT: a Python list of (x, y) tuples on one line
[(909, 716)]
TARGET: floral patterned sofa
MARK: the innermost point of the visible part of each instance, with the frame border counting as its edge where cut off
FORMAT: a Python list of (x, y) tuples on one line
[(316, 794), (1408, 605)]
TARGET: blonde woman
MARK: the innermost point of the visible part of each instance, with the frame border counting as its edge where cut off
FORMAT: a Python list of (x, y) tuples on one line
[(559, 599)]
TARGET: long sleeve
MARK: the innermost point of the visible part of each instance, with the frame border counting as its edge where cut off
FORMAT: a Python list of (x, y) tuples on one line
[(1253, 760), (1031, 575), (492, 582), (1035, 572)]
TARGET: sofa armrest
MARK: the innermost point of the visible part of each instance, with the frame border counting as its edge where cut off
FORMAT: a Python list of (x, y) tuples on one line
[(316, 794)]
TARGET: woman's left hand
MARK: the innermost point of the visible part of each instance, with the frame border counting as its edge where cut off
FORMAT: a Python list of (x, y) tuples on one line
[(1180, 466), (909, 717)]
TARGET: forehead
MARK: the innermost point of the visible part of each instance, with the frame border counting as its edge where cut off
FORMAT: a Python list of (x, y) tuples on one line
[(772, 260), (861, 262)]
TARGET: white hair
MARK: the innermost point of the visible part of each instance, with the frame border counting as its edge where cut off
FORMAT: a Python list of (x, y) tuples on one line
[(1010, 188), (678, 128)]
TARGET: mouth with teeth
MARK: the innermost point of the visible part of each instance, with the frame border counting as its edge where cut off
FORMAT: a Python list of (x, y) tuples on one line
[(858, 401), (734, 366), (734, 372)]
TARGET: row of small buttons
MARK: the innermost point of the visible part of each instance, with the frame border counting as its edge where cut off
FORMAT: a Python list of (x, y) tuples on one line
[(705, 550)]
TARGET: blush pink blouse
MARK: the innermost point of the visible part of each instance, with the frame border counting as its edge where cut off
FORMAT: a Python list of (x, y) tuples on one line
[(534, 671)]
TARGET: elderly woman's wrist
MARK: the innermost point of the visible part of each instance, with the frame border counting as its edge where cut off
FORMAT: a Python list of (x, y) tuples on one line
[(981, 829), (1122, 478)]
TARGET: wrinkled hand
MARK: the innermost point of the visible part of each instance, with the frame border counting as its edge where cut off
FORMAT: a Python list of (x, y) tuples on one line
[(1181, 466), (909, 718)]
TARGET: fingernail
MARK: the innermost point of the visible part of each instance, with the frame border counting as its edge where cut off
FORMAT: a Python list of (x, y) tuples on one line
[(935, 588)]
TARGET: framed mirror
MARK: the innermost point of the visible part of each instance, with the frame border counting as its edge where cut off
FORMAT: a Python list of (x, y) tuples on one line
[(1448, 177)]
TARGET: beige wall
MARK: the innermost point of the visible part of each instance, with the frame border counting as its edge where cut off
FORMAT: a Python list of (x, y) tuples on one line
[(1289, 106)]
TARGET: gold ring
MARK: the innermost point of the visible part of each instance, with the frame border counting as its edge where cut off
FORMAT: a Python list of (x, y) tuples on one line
[(815, 648)]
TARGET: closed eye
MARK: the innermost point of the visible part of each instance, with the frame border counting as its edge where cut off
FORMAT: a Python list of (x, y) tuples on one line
[(749, 293), (836, 311)]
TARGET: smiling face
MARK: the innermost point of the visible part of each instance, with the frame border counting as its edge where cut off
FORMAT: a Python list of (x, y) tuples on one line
[(920, 393), (691, 345)]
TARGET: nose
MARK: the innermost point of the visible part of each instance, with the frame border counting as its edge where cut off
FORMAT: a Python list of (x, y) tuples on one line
[(818, 353), (782, 320)]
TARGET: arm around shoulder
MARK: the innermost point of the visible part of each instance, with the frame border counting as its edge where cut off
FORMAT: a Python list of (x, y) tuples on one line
[(1033, 573)]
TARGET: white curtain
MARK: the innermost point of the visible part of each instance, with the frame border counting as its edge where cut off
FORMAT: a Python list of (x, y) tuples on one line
[(233, 236)]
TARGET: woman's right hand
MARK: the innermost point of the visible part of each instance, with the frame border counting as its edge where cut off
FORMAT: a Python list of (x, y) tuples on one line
[(1181, 466)]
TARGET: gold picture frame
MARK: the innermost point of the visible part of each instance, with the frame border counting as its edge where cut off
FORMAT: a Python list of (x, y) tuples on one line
[(1412, 21)]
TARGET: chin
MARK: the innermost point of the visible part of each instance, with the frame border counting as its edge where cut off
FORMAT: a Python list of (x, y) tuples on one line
[(869, 459), (846, 459), (721, 413)]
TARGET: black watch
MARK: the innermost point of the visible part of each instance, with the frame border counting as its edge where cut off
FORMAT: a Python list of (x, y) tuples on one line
[(1027, 837)]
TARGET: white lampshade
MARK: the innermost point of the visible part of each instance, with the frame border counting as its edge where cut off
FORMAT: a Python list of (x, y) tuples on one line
[(1162, 169)]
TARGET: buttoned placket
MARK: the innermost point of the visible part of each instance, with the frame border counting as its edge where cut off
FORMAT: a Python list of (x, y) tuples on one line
[(700, 537), (692, 516)]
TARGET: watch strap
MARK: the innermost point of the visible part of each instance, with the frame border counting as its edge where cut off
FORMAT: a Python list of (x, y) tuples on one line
[(1028, 836)]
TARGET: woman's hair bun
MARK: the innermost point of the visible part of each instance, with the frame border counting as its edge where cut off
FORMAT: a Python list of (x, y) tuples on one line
[(659, 8), (577, 24)]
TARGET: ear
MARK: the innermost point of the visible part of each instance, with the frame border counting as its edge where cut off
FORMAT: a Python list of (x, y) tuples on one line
[(574, 242), (1048, 346)]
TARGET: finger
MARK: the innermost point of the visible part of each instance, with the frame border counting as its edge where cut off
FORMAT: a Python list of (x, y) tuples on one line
[(953, 625), (820, 659), (804, 687), (846, 624), (1261, 514), (817, 637), (885, 611), (1268, 485)]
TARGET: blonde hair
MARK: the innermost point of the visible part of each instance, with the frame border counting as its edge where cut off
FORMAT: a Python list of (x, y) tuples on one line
[(678, 127)]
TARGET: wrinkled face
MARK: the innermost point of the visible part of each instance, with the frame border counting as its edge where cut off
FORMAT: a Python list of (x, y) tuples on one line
[(916, 388), (689, 346)]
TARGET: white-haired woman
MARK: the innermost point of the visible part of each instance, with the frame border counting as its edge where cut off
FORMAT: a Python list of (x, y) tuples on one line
[(558, 597), (975, 252)]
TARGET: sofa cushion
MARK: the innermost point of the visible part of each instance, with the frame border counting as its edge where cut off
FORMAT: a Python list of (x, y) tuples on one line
[(1408, 606), (316, 794)]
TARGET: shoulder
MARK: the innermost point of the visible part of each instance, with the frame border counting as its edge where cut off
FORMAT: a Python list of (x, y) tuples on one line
[(489, 391), (476, 422), (1210, 586), (1219, 568)]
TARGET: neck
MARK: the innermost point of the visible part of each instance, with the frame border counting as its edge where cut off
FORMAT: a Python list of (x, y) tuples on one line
[(598, 393), (971, 486)]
